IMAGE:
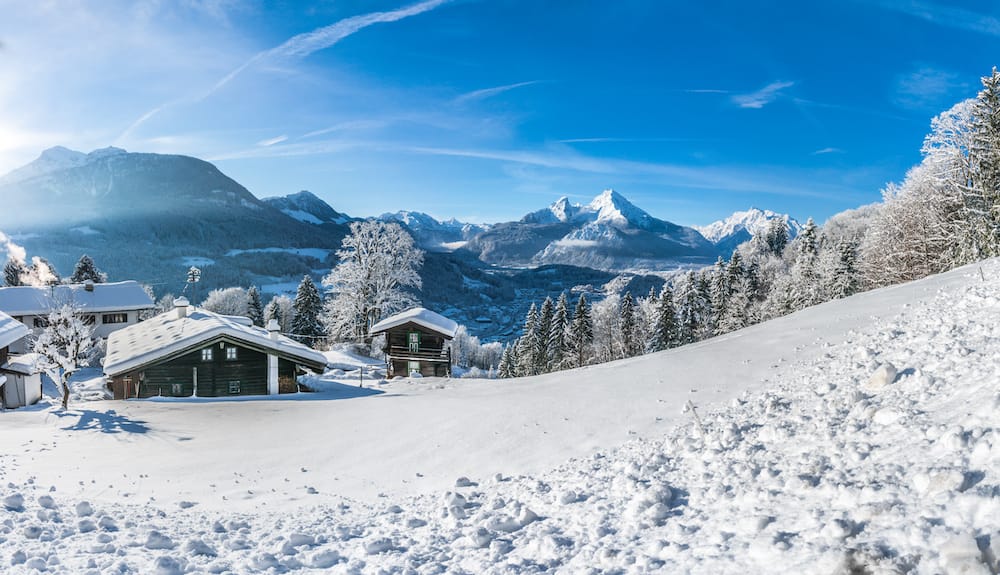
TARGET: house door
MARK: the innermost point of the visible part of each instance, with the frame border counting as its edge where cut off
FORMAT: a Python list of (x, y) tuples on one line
[(413, 339)]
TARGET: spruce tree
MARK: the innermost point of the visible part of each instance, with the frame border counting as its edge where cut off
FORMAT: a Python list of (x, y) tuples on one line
[(557, 333), (581, 332), (13, 270), (664, 334), (719, 289), (629, 339), (272, 311), (85, 270), (543, 333), (844, 277), (255, 309), (526, 344), (776, 236), (508, 362), (308, 305)]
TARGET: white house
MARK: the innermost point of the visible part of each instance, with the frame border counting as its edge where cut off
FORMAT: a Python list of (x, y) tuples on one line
[(106, 306), (194, 352), (20, 382)]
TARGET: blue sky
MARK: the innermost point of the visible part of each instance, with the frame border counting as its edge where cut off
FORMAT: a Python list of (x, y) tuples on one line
[(486, 110)]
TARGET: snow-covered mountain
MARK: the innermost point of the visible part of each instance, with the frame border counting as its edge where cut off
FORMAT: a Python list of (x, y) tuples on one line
[(432, 234), (857, 436), (609, 233), (741, 226), (305, 207)]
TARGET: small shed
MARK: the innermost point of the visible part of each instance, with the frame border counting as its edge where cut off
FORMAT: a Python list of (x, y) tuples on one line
[(417, 340), (193, 352), (23, 385)]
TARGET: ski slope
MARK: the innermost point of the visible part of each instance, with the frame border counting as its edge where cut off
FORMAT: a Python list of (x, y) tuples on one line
[(806, 452)]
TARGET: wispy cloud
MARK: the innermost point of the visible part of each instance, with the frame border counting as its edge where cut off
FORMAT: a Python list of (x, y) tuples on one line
[(272, 141), (949, 16), (706, 91), (762, 97), (824, 151), (490, 92), (302, 45), (613, 140), (925, 87)]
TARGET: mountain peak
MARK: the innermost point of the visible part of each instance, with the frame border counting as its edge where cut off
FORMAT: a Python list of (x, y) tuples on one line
[(307, 207), (612, 207), (105, 153), (741, 226)]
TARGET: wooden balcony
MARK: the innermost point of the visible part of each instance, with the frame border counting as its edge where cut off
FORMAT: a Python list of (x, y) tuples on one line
[(422, 354)]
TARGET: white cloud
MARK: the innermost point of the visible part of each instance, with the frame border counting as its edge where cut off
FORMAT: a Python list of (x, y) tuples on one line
[(570, 243), (949, 16), (490, 92), (762, 97), (272, 141), (925, 87), (823, 151)]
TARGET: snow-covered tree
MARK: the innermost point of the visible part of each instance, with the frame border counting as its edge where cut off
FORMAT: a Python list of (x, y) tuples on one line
[(606, 316), (378, 262), (280, 308), (692, 309), (255, 308), (581, 334), (227, 301), (85, 270), (558, 332), (776, 236), (664, 334), (64, 345), (12, 272), (508, 362), (527, 346), (543, 332), (631, 345), (307, 308), (843, 278)]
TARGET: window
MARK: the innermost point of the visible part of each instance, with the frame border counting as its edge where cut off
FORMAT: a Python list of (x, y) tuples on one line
[(412, 366), (206, 354), (114, 318), (231, 353), (89, 319), (176, 389), (234, 388), (413, 340), (41, 322)]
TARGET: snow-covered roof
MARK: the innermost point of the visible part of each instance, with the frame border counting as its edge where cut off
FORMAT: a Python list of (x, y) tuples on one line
[(104, 297), (26, 364), (167, 334), (420, 316), (11, 330)]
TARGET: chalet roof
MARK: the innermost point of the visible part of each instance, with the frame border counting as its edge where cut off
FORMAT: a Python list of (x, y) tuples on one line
[(167, 334), (420, 316), (11, 330), (107, 297)]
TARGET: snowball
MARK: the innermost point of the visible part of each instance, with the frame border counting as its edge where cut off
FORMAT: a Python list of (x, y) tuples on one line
[(883, 376)]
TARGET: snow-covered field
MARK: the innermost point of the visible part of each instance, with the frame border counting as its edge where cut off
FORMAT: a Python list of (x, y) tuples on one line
[(805, 453)]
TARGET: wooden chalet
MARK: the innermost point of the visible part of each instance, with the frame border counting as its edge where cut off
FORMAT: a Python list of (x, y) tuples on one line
[(193, 352), (417, 341)]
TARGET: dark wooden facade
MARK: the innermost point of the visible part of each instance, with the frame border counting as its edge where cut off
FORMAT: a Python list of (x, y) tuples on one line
[(430, 354), (243, 371)]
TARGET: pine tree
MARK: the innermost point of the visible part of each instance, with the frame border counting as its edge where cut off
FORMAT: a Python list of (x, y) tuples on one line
[(738, 308), (526, 357), (273, 311), (86, 270), (720, 287), (690, 310), (664, 334), (985, 159), (629, 339), (13, 271), (255, 309), (508, 362), (543, 333), (776, 236), (844, 277), (557, 333), (308, 306), (806, 288), (581, 333)]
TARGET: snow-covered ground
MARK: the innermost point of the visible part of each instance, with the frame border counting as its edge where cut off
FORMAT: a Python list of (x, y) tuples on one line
[(805, 453)]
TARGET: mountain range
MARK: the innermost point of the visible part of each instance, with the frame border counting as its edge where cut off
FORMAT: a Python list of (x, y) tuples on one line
[(151, 216), (729, 233)]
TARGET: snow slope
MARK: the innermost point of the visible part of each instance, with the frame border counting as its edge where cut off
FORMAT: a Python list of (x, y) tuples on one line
[(805, 453)]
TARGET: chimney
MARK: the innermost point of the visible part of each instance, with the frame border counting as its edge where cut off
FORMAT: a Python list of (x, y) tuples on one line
[(273, 327), (181, 305), (88, 285)]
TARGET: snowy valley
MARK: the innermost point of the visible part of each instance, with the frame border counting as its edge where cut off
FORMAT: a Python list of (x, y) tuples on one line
[(857, 436)]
